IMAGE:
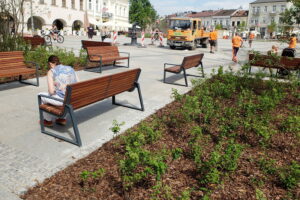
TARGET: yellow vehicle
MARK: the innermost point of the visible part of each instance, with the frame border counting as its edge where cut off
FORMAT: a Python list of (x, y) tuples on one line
[(186, 32)]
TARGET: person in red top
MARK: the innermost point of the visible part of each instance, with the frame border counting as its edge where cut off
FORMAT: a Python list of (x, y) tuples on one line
[(237, 42), (213, 36), (251, 37)]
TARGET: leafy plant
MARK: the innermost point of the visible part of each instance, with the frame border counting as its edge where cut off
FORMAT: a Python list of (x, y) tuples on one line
[(116, 127)]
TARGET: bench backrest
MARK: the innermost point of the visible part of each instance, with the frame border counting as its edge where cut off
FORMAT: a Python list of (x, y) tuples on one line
[(274, 62), (105, 51), (87, 43), (87, 92), (192, 61), (34, 41), (12, 60)]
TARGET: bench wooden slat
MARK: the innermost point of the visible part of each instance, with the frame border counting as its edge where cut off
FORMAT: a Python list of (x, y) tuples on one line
[(12, 63), (87, 43), (105, 55), (85, 93)]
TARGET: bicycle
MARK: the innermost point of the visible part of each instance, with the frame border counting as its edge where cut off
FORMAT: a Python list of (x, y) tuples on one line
[(59, 38)]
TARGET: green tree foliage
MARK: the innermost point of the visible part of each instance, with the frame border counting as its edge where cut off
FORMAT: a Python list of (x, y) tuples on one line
[(272, 27), (291, 16), (142, 12)]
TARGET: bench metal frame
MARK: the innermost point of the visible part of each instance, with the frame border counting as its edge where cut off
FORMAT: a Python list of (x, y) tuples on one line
[(184, 73), (36, 74), (68, 109)]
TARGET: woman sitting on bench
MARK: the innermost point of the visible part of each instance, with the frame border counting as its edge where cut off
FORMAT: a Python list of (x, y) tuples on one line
[(58, 77)]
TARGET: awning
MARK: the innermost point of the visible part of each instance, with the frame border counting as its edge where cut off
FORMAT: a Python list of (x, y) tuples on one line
[(109, 23), (93, 21), (124, 24)]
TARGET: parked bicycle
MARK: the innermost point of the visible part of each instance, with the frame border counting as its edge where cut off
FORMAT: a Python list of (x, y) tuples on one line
[(55, 36)]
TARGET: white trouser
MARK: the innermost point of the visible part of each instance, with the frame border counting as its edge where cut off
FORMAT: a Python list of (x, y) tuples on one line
[(47, 116)]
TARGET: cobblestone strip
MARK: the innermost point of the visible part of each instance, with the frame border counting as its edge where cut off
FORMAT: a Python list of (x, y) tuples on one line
[(18, 170)]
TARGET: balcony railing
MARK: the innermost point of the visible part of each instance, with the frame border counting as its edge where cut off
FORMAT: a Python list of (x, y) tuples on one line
[(107, 15)]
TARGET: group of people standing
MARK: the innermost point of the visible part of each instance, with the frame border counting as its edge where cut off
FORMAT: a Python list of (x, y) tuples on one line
[(237, 43), (104, 33)]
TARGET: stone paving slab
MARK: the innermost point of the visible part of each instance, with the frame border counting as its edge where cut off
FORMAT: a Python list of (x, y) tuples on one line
[(28, 157)]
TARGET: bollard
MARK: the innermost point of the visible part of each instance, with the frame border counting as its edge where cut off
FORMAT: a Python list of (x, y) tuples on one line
[(161, 40), (115, 37), (143, 38)]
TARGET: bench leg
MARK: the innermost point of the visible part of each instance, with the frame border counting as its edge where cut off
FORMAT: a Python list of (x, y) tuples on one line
[(202, 70), (128, 63), (100, 66), (185, 78), (28, 83), (140, 98), (164, 76), (74, 124), (250, 69)]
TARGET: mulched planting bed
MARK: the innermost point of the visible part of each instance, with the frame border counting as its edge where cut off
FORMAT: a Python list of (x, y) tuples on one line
[(231, 137)]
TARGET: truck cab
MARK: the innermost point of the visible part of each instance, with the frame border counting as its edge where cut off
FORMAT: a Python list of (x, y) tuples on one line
[(186, 32)]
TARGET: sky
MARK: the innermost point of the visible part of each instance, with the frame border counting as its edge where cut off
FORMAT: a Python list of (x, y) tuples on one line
[(165, 7)]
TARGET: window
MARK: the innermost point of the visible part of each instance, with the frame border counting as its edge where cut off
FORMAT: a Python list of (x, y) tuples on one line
[(42, 2), (53, 3), (272, 19), (227, 23), (81, 4), (120, 11), (258, 9), (63, 3), (252, 21), (238, 23), (221, 22), (254, 9), (73, 4), (266, 9), (124, 12), (282, 8), (233, 24), (97, 5), (90, 4), (274, 8)]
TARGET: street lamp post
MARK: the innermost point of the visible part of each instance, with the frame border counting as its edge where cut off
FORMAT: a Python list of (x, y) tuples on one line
[(31, 15)]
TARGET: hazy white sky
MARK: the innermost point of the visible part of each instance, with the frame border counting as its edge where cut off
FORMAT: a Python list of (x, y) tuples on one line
[(165, 7)]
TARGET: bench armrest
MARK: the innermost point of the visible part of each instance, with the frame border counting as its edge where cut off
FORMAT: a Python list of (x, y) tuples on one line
[(34, 63), (125, 53), (48, 97), (169, 64)]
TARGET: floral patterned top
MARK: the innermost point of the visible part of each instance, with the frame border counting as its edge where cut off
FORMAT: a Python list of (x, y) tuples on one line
[(62, 76)]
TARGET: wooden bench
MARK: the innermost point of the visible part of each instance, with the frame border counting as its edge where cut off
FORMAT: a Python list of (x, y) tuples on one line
[(35, 41), (275, 62), (81, 94), (88, 43), (12, 63), (106, 54), (188, 62)]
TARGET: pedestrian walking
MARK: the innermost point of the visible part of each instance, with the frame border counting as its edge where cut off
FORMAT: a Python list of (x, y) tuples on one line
[(104, 33), (237, 42), (251, 38), (90, 32), (213, 36)]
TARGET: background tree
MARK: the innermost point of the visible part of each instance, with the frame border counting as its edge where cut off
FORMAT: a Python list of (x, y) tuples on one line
[(272, 28), (11, 18), (142, 12)]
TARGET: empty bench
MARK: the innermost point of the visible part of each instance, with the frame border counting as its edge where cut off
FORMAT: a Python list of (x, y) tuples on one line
[(35, 41), (88, 43), (12, 64), (187, 63), (81, 94), (106, 54), (275, 62)]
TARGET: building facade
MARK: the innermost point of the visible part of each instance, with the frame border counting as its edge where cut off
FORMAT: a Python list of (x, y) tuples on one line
[(263, 12), (239, 19), (223, 18), (73, 16), (206, 17)]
